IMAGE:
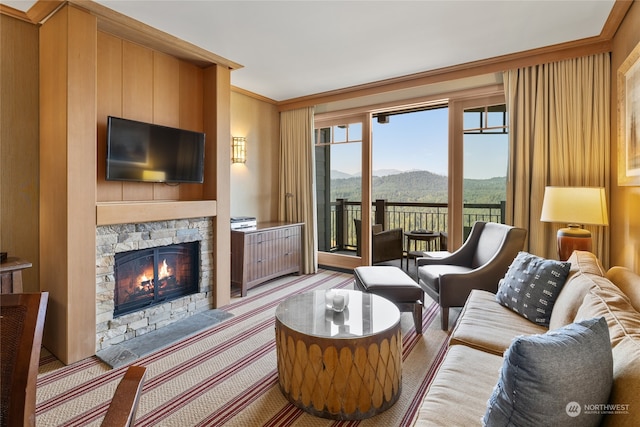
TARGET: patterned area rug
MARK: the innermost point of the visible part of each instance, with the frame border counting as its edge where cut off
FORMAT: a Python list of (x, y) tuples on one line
[(226, 374)]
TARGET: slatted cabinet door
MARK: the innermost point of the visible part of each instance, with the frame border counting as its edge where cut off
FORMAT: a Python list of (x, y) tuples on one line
[(270, 250)]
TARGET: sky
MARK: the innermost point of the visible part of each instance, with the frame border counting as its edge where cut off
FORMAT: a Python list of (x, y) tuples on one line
[(419, 141)]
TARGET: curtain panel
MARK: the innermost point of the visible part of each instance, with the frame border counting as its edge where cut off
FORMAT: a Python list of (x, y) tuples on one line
[(297, 179), (559, 121)]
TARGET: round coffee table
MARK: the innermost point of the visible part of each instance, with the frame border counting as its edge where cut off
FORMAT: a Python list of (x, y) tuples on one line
[(344, 366)]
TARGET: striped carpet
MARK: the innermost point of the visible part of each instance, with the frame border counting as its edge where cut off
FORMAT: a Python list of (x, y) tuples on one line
[(226, 375)]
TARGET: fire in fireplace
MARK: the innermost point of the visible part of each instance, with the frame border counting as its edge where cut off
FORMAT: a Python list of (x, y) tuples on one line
[(153, 276)]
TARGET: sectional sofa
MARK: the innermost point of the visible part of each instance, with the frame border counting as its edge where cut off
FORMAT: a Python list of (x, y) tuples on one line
[(488, 334)]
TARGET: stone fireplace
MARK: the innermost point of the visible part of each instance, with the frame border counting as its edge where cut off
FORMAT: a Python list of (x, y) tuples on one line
[(160, 282), (148, 277)]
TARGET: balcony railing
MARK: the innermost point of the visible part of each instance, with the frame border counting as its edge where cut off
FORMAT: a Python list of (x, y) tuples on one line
[(406, 215)]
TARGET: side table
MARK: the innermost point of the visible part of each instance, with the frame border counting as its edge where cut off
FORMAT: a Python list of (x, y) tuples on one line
[(11, 275), (429, 237)]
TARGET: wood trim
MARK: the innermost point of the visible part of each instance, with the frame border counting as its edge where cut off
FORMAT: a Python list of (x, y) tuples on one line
[(527, 58), (435, 99), (617, 14), (36, 14), (217, 125), (346, 262), (14, 13), (42, 9), (456, 187), (253, 95), (130, 29), (132, 212)]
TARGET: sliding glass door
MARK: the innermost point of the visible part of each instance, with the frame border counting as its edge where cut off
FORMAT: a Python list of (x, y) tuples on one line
[(409, 170), (339, 187), (437, 166)]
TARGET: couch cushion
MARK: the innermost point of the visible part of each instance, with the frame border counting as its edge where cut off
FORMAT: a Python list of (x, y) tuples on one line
[(585, 273), (628, 282), (531, 286), (586, 262), (486, 325), (625, 393), (458, 394), (544, 376), (609, 302)]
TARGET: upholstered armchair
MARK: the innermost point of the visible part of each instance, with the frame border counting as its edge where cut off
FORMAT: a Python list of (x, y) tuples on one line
[(479, 263), (386, 245)]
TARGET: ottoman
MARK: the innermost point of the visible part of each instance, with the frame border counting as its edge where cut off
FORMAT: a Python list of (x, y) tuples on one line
[(395, 285)]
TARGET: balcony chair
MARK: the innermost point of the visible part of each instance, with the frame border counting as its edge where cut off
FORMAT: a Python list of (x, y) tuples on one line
[(123, 406), (21, 326), (479, 263), (386, 245)]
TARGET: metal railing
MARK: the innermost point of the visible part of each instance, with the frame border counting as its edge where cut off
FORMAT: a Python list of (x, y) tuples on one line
[(406, 215)]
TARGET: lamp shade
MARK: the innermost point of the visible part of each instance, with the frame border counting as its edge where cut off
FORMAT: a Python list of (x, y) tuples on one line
[(575, 205)]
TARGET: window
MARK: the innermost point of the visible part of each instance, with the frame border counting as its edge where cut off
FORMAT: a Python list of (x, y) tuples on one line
[(338, 184), (485, 160)]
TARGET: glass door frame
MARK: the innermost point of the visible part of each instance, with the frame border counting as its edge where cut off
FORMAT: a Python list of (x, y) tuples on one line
[(352, 261), (457, 102), (456, 160)]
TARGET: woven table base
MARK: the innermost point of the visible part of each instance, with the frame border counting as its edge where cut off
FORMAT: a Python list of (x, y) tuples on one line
[(347, 378)]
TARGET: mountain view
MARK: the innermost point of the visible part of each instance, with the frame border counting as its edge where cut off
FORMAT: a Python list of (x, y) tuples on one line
[(416, 186)]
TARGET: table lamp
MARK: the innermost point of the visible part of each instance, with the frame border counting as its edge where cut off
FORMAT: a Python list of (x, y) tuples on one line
[(575, 206)]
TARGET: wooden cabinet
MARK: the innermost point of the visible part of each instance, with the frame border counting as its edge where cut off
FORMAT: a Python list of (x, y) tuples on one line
[(270, 250)]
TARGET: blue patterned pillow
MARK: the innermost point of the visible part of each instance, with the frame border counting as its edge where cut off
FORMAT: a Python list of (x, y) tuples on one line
[(554, 379), (531, 286)]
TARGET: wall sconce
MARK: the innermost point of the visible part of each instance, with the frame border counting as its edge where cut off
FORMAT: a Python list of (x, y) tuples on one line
[(574, 206), (238, 149)]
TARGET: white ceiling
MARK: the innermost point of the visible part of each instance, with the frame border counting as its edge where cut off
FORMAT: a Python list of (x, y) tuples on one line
[(292, 48)]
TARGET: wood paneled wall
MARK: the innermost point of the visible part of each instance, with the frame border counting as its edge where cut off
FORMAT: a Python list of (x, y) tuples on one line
[(138, 83), (67, 182), (625, 201), (86, 75), (19, 141)]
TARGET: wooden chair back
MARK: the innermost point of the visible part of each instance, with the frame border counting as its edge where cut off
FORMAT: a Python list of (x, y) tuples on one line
[(124, 405), (21, 327)]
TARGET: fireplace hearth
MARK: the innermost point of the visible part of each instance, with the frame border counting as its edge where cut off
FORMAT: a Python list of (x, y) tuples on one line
[(148, 277), (162, 307)]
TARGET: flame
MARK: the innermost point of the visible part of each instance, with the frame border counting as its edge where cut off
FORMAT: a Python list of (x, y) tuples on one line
[(144, 281), (163, 271)]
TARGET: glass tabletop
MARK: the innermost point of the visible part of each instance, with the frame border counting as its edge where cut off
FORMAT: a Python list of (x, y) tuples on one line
[(365, 314)]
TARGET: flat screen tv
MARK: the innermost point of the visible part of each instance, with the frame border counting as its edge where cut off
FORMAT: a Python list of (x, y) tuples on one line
[(138, 151)]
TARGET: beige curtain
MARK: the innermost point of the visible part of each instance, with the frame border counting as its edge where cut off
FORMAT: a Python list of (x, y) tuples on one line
[(559, 135), (296, 196)]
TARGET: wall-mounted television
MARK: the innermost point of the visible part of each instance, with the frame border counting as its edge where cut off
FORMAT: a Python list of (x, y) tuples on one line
[(138, 151)]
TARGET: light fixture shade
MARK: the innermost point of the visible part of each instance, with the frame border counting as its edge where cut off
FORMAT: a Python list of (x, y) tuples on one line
[(238, 149), (575, 205)]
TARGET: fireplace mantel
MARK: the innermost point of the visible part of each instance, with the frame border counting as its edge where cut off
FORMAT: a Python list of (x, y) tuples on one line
[(110, 213)]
